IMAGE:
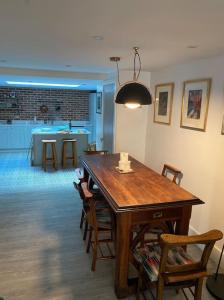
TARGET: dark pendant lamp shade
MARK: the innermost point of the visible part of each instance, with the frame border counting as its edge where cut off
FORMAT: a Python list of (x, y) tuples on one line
[(133, 92)]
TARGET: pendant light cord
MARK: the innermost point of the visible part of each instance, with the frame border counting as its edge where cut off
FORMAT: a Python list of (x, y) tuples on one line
[(135, 77), (136, 73)]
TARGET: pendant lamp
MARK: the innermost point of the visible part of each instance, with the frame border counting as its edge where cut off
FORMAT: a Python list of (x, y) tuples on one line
[(132, 94)]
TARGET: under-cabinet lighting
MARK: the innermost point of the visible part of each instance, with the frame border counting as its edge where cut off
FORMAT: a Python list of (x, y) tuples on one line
[(42, 84)]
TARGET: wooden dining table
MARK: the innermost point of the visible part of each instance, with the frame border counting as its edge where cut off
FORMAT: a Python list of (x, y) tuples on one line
[(140, 197)]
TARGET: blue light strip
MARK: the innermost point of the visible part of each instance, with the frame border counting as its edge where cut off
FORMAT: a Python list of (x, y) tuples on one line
[(42, 84)]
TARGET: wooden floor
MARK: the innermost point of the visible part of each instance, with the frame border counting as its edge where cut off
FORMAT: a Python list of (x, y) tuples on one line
[(42, 255)]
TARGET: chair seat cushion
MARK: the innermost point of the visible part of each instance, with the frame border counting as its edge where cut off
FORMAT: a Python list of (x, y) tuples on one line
[(149, 257)]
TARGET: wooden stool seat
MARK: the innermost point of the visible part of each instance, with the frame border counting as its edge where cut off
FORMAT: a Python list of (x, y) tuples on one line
[(71, 140), (49, 141), (73, 157), (53, 157)]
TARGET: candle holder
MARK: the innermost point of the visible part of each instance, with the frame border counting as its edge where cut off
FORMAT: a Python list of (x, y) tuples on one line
[(124, 165)]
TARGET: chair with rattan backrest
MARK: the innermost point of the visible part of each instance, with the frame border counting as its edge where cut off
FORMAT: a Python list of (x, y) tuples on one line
[(175, 267)]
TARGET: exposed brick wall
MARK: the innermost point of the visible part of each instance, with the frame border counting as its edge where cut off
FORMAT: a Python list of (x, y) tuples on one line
[(62, 104)]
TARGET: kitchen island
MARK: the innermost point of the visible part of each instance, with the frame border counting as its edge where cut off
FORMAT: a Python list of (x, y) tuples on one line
[(58, 133)]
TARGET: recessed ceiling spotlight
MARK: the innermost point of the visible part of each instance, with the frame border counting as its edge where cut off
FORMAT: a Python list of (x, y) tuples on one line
[(98, 37), (192, 47)]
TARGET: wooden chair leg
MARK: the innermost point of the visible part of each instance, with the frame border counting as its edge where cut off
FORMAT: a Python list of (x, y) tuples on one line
[(198, 289), (85, 230), (54, 156), (89, 241), (82, 219), (95, 246), (138, 293), (76, 160), (160, 289), (44, 156), (64, 156), (73, 154)]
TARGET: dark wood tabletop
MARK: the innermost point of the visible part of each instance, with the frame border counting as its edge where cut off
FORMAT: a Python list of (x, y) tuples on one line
[(138, 190)]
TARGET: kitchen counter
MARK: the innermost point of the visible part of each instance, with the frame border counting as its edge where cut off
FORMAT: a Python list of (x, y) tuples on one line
[(18, 134), (58, 133)]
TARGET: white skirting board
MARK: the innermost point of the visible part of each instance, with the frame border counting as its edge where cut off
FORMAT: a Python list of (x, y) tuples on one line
[(215, 252)]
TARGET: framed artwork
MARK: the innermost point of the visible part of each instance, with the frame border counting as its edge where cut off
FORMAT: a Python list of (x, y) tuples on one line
[(222, 131), (163, 103), (195, 102), (99, 103)]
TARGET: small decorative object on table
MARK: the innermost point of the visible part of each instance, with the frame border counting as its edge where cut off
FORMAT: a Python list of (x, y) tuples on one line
[(124, 164)]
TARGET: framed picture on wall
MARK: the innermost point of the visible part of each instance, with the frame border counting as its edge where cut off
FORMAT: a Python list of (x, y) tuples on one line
[(222, 131), (195, 102), (99, 103), (163, 103)]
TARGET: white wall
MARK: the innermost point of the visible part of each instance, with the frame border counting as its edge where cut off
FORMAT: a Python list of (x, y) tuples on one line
[(130, 125), (200, 155)]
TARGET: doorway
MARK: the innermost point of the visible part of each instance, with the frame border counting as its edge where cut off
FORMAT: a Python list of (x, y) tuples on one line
[(108, 117)]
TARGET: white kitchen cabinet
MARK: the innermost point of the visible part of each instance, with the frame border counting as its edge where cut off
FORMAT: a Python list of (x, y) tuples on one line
[(15, 136)]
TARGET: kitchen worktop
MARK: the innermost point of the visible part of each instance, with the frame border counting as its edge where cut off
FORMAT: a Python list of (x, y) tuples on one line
[(59, 130), (18, 134), (58, 133)]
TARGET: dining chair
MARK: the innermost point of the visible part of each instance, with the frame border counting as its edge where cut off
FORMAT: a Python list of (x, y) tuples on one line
[(173, 174), (100, 220), (79, 179), (169, 170), (79, 172), (168, 264), (85, 207)]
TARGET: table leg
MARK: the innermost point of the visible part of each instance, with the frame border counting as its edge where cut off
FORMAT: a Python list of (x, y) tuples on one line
[(182, 225), (123, 222)]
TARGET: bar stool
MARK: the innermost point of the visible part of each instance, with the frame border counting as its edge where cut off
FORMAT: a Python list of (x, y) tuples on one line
[(73, 157), (53, 157)]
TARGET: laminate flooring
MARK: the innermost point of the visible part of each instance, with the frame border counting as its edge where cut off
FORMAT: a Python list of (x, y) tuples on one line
[(42, 254)]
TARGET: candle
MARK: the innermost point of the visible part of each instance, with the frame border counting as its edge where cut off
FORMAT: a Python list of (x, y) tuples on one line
[(124, 163), (124, 156)]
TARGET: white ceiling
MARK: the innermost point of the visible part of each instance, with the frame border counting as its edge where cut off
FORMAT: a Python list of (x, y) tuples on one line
[(49, 34)]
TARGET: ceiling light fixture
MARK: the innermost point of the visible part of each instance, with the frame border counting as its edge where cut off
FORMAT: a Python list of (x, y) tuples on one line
[(98, 37), (192, 47), (132, 94), (42, 84)]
